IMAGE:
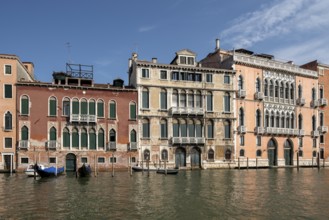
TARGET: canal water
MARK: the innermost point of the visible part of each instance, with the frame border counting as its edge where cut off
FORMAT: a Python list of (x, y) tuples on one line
[(197, 194)]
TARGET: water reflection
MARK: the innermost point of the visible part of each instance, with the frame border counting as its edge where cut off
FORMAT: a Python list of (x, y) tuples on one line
[(206, 194)]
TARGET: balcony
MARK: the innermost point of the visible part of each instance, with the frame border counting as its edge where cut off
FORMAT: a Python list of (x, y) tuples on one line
[(315, 133), (301, 132), (242, 129), (323, 129), (259, 95), (259, 130), (111, 146), (51, 145), (24, 144), (242, 93), (314, 103), (132, 146), (186, 111), (323, 102), (300, 101), (83, 118), (187, 140), (282, 131)]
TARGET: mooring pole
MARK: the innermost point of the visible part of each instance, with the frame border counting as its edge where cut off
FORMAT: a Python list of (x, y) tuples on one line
[(247, 163), (112, 164), (76, 169), (318, 160), (297, 160), (239, 163), (256, 163)]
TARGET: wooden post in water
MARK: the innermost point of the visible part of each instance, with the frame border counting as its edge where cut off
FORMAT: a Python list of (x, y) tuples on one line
[(112, 162), (239, 163), (35, 162), (256, 163), (247, 163), (318, 160), (95, 164), (298, 160), (165, 167), (148, 167), (131, 167), (323, 162), (76, 168), (312, 162)]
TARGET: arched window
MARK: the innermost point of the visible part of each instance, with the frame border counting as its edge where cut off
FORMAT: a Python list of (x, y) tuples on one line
[(24, 133), (300, 121), (92, 139), (175, 98), (198, 100), (321, 119), (292, 121), (241, 117), (146, 128), (164, 154), (182, 99), (287, 120), (92, 107), (281, 90), (75, 106), (112, 139), (292, 91), (132, 110), (113, 109), (313, 94), (52, 106), (190, 99), (66, 137), (242, 153), (100, 138), (258, 153), (66, 106), (75, 138), (210, 129), (133, 138), (52, 134), (314, 154), (8, 121), (287, 91), (300, 91), (272, 119), (100, 108), (240, 82), (84, 138), (198, 128), (258, 118), (277, 119), (84, 107), (183, 128), (271, 88), (227, 102), (300, 153), (211, 154), (258, 86), (313, 123), (266, 88), (321, 92), (175, 125), (24, 105), (227, 129), (276, 89), (191, 128), (145, 98), (147, 154), (267, 119), (163, 129), (282, 120), (163, 99)]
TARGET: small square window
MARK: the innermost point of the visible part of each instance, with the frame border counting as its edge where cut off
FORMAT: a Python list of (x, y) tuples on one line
[(163, 74), (52, 159), (145, 73), (101, 160), (84, 160), (113, 159), (209, 78), (7, 69), (182, 60), (190, 60), (227, 79), (8, 142), (24, 160)]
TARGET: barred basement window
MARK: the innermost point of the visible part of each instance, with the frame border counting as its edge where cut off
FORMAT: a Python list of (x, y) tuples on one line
[(52, 159), (24, 160), (113, 159), (84, 160), (101, 160)]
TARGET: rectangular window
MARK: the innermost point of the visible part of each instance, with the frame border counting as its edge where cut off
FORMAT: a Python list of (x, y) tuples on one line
[(164, 130), (24, 160), (175, 130), (112, 110), (7, 69), (314, 143), (241, 140), (145, 73), (8, 91), (101, 160), (209, 78), (92, 108), (66, 108), (174, 75), (52, 159), (52, 107), (210, 131), (163, 100), (300, 142), (321, 139), (132, 111), (113, 159), (227, 79), (190, 77), (198, 77), (259, 141), (209, 103), (8, 142), (84, 160), (182, 60), (100, 109), (183, 76), (163, 74), (146, 130), (145, 99), (190, 60)]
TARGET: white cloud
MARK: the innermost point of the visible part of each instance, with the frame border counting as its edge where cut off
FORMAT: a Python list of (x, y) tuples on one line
[(145, 28), (282, 18)]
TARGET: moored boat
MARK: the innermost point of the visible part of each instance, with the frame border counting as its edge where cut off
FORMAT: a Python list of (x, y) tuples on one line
[(84, 170), (168, 171), (30, 172), (48, 171), (140, 169)]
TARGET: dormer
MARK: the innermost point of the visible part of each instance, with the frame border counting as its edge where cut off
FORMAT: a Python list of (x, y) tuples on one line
[(185, 57)]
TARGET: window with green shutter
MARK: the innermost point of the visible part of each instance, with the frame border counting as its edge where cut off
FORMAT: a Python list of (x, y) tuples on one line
[(112, 110), (84, 107), (133, 136), (84, 138), (24, 105), (145, 99), (66, 107), (100, 109), (52, 106), (75, 138), (8, 121), (163, 129), (7, 69), (8, 142), (52, 134), (209, 102), (75, 107), (66, 138), (8, 91), (101, 138), (132, 111), (146, 128), (163, 100), (92, 107), (92, 139), (25, 133)]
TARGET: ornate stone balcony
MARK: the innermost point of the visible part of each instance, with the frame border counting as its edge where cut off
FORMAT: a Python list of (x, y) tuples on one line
[(259, 95), (282, 131), (242, 93), (24, 144), (242, 129), (323, 102), (315, 133), (187, 140), (132, 146), (323, 129), (111, 145), (52, 145), (259, 130), (83, 118), (186, 111), (300, 101)]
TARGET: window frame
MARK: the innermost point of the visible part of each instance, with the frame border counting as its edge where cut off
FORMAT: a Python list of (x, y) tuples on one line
[(5, 69), (5, 91)]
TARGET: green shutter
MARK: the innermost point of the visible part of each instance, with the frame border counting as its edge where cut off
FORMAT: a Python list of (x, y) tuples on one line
[(163, 99), (52, 134), (8, 91), (100, 109), (66, 139), (112, 110), (84, 108), (92, 141), (52, 107), (75, 107), (132, 111), (92, 108), (100, 139), (133, 136), (25, 133), (75, 139), (84, 139), (25, 106)]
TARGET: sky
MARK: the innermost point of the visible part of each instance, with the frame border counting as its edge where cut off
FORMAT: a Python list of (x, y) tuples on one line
[(104, 33)]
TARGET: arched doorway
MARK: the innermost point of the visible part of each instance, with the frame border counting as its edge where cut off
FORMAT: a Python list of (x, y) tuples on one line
[(70, 162), (180, 157), (195, 158), (228, 154), (288, 152), (272, 153)]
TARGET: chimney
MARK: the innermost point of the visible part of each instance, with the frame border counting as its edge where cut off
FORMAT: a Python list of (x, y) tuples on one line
[(154, 60), (217, 44)]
